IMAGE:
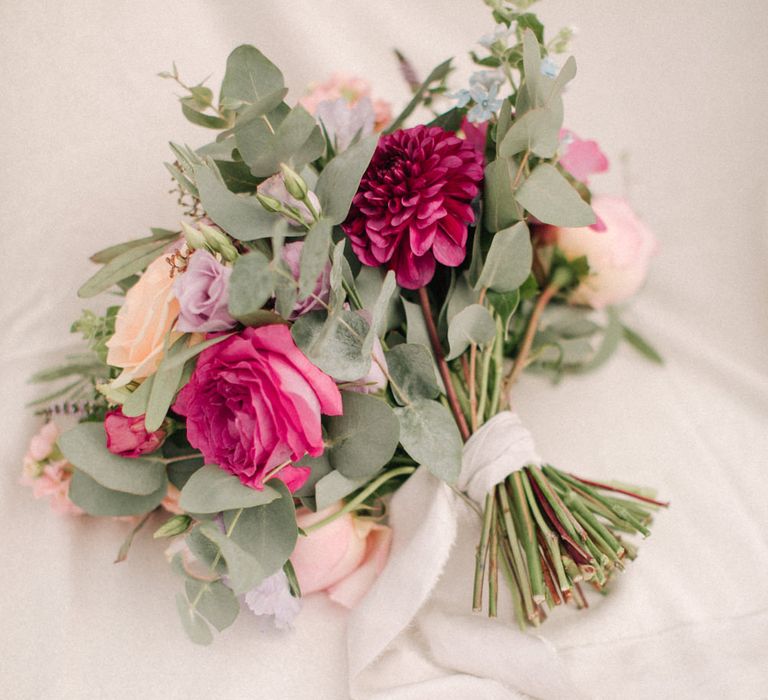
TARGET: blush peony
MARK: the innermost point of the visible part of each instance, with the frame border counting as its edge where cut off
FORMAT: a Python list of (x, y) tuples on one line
[(618, 256), (413, 206), (253, 404)]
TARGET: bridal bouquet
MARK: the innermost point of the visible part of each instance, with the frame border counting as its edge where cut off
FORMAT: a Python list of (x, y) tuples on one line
[(350, 297)]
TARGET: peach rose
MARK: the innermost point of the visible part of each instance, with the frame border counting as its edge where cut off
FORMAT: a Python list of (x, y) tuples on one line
[(618, 256), (342, 558), (143, 322)]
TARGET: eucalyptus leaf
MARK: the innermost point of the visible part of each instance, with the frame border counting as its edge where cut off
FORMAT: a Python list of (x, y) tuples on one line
[(505, 304), (429, 434), (339, 180), (124, 265), (136, 403), (85, 446), (500, 210), (537, 130), (472, 325), (550, 198), (251, 285), (314, 256), (243, 570), (369, 283), (215, 602), (264, 145), (612, 336), (188, 352), (461, 296), (379, 310), (267, 533), (413, 373), (198, 117), (212, 490), (364, 438), (95, 499), (250, 76), (334, 343), (165, 383), (509, 259), (193, 623), (419, 335), (241, 216), (333, 487)]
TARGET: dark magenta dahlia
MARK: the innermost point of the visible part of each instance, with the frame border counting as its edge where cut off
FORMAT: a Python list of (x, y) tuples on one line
[(413, 205)]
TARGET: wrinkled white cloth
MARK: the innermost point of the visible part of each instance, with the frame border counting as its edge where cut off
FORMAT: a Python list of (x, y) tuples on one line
[(405, 610)]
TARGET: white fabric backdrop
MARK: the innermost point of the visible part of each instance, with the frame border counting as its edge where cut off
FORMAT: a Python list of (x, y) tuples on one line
[(678, 89)]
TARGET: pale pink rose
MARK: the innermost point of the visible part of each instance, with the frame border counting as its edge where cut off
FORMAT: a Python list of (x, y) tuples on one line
[(149, 312), (41, 445), (52, 482), (171, 501), (351, 89), (618, 256), (342, 558)]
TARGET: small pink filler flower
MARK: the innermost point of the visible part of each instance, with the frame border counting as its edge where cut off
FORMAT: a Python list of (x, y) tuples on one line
[(413, 207)]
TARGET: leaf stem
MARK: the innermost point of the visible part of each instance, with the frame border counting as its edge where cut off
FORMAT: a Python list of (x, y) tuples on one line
[(533, 323), (442, 365), (357, 500)]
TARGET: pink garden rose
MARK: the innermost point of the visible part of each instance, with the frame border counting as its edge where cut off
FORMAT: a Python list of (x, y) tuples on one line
[(618, 256), (253, 404), (128, 437), (203, 294), (413, 207), (343, 558), (47, 472)]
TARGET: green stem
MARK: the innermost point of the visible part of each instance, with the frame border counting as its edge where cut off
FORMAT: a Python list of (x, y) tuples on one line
[(484, 375), (357, 500), (518, 564), (528, 537), (481, 554), (498, 366)]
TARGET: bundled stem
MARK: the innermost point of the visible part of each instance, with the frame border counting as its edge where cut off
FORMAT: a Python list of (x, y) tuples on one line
[(547, 531)]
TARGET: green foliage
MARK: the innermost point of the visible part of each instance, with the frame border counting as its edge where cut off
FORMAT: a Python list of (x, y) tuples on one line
[(241, 216), (413, 373), (364, 438), (166, 381), (128, 262), (334, 342), (474, 324), (96, 331), (95, 499), (438, 75), (251, 285), (85, 447), (429, 434), (212, 490), (642, 345), (339, 180), (500, 208), (550, 198), (509, 259), (314, 256)]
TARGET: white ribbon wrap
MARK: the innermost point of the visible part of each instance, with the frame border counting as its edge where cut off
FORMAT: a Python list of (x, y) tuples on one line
[(414, 635)]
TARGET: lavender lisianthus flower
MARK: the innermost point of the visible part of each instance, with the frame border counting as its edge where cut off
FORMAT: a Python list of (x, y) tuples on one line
[(273, 597), (203, 294), (343, 121)]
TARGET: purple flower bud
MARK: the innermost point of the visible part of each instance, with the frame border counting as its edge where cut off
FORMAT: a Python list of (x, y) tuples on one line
[(203, 294)]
